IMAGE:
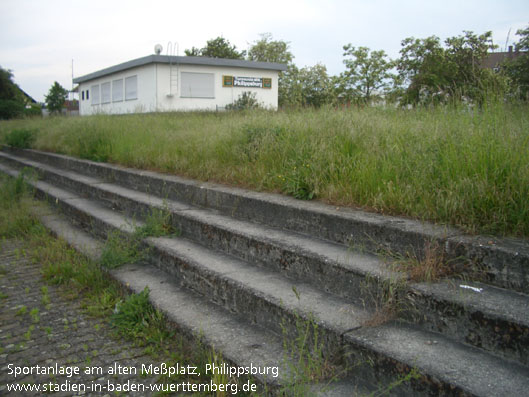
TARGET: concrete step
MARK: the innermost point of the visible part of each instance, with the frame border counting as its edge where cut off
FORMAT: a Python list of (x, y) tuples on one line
[(502, 262), (241, 343), (265, 297), (379, 356), (446, 368), (478, 314), (458, 312), (331, 266), (201, 269)]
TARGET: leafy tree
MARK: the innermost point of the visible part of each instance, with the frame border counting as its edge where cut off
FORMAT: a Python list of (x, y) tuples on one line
[(436, 73), (10, 109), (217, 48), (55, 98), (517, 69), (367, 73), (316, 89), (11, 97), (8, 89), (268, 50), (193, 52), (289, 87), (309, 86)]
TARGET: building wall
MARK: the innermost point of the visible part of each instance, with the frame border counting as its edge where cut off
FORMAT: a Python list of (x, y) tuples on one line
[(146, 93), (223, 96), (155, 92)]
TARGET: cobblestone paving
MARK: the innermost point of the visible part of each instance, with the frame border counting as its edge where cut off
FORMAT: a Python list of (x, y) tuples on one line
[(39, 326)]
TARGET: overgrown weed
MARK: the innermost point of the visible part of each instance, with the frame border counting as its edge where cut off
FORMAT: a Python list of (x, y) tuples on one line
[(304, 357), (385, 297), (120, 249), (20, 138), (429, 266), (454, 165), (157, 222)]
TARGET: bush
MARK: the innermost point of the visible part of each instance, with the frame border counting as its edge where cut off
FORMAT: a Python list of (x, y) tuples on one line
[(10, 109), (22, 138), (33, 111), (246, 100)]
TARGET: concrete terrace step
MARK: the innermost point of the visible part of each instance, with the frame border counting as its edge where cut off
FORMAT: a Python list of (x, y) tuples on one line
[(194, 315), (332, 266), (482, 315), (504, 262), (262, 295), (447, 369), (265, 296), (390, 347), (329, 266)]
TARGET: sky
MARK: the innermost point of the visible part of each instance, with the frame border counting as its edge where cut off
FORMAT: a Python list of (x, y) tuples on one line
[(39, 39)]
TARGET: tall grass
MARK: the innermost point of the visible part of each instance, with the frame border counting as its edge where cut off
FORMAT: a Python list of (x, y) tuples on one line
[(454, 165)]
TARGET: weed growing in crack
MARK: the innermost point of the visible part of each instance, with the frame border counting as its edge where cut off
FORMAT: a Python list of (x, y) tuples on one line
[(385, 297), (157, 223), (304, 357), (390, 389), (34, 314), (22, 310), (14, 203), (431, 266), (135, 315), (120, 249)]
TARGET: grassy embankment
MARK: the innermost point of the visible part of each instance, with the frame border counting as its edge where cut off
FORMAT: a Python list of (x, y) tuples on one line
[(447, 164)]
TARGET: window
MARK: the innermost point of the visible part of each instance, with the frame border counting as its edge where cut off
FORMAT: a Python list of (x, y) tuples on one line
[(82, 95), (105, 92), (131, 88), (197, 85), (117, 90), (87, 95), (95, 94)]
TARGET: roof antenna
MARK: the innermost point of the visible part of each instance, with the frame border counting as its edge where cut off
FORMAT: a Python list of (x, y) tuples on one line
[(507, 41)]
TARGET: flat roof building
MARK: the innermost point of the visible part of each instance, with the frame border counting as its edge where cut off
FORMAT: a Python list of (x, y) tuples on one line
[(159, 83)]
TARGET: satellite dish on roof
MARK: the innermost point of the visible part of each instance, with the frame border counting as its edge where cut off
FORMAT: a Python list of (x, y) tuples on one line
[(158, 49)]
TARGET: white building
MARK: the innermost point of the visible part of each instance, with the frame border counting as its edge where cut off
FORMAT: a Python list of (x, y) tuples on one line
[(158, 83)]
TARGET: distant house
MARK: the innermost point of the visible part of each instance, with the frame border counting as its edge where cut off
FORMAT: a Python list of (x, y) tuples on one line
[(494, 60), (71, 107), (28, 100), (158, 83)]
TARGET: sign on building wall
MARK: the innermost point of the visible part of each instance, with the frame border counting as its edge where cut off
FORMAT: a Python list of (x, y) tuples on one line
[(249, 82)]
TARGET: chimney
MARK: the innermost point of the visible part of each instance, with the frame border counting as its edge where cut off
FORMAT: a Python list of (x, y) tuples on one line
[(510, 49)]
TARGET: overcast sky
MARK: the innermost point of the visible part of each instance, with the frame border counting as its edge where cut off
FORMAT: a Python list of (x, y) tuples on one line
[(39, 38)]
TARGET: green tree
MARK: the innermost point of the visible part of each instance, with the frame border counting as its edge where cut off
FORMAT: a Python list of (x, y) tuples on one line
[(309, 86), (217, 48), (367, 73), (55, 98), (11, 97), (289, 87), (435, 73), (517, 69), (268, 50), (316, 89), (8, 89)]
